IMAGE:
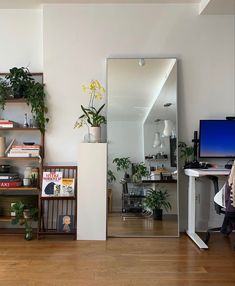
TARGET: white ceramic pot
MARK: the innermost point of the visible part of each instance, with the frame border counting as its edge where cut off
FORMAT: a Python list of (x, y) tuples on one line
[(95, 134)]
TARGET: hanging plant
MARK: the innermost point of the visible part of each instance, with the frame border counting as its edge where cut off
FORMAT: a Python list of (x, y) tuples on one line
[(20, 83)]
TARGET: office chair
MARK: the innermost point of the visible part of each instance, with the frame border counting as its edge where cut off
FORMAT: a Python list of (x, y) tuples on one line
[(223, 205)]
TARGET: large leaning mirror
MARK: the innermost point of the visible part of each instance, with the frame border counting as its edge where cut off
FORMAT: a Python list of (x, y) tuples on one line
[(142, 147)]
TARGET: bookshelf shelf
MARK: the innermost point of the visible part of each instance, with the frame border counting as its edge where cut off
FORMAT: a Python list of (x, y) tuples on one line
[(19, 129), (20, 189), (5, 218), (58, 198), (21, 158)]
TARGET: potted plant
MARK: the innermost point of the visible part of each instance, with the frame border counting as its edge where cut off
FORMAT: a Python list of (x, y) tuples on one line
[(157, 200), (24, 215), (19, 80), (110, 177), (91, 116), (123, 164), (139, 170), (186, 153), (20, 83)]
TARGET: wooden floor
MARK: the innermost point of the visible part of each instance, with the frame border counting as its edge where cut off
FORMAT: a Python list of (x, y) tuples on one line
[(116, 262), (134, 225)]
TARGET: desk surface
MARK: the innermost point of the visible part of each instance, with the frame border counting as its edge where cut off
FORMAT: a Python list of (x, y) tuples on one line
[(206, 172)]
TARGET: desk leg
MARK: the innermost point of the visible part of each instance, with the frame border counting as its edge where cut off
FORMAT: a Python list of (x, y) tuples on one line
[(192, 214)]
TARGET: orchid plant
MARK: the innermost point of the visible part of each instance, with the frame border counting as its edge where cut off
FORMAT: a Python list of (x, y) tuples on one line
[(91, 116)]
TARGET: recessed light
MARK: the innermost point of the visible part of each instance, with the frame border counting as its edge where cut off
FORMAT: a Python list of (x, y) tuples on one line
[(167, 104)]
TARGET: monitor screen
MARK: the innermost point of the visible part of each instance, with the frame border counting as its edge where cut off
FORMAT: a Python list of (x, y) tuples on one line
[(217, 139)]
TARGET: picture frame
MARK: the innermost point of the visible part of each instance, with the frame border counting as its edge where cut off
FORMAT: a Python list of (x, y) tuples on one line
[(66, 223)]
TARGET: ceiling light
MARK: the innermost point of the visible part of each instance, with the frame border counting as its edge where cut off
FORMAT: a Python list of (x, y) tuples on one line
[(141, 62), (168, 128), (167, 104), (157, 140)]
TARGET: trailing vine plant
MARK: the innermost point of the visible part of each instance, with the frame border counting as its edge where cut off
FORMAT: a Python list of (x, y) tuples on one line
[(19, 83)]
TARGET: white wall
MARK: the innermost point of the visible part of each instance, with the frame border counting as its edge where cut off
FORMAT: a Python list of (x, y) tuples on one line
[(78, 39), (21, 39)]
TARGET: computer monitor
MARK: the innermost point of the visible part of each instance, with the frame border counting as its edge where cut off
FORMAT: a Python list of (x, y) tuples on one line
[(217, 139)]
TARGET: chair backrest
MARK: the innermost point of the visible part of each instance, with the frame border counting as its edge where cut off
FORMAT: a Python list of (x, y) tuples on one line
[(218, 207), (219, 197)]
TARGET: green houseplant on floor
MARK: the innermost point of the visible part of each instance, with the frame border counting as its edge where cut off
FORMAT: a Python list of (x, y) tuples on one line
[(24, 215), (157, 199)]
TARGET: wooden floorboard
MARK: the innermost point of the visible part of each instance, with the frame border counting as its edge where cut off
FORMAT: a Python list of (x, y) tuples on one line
[(60, 261), (135, 225)]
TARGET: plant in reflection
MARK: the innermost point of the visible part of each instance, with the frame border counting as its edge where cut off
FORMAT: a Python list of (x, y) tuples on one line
[(110, 176), (157, 199), (139, 170), (186, 152), (91, 116), (123, 164)]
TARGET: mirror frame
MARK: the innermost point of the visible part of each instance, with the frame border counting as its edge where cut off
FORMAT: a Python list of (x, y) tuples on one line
[(177, 138)]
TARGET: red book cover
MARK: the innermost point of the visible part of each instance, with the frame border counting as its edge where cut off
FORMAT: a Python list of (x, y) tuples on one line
[(25, 146), (10, 184)]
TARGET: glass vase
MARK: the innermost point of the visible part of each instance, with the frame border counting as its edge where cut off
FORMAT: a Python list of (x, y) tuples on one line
[(28, 235)]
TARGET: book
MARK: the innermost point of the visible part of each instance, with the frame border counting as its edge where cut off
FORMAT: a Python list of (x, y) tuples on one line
[(20, 146), (51, 183), (67, 188), (22, 155), (10, 125), (4, 120), (13, 151), (10, 184), (9, 177)]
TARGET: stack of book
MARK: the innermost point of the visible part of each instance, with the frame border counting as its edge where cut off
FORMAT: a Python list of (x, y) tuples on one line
[(10, 180), (24, 151), (4, 123)]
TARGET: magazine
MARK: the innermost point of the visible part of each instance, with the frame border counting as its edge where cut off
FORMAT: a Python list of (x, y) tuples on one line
[(67, 188), (51, 184)]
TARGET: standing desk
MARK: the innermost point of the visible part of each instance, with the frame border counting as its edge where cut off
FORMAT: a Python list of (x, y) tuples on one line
[(193, 174)]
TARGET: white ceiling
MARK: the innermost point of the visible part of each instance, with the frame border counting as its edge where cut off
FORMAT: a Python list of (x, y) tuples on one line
[(11, 4)]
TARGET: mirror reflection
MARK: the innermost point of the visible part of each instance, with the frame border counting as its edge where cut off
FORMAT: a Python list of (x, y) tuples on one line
[(142, 153)]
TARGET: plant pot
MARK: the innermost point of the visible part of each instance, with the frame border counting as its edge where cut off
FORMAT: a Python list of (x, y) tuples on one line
[(95, 134), (157, 214)]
